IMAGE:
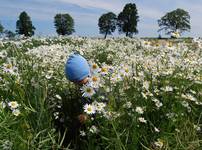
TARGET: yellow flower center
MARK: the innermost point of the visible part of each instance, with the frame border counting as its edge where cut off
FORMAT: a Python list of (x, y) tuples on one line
[(94, 66), (94, 79), (89, 109), (13, 104), (8, 66), (88, 90), (104, 69), (126, 70)]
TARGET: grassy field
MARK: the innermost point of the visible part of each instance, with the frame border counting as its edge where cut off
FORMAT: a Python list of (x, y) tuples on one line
[(143, 94)]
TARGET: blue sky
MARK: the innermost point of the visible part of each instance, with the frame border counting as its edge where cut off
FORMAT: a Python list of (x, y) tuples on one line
[(87, 12)]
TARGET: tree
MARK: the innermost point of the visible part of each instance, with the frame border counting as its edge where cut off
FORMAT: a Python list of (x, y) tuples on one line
[(64, 24), (107, 23), (24, 25), (1, 28), (175, 21), (9, 34), (128, 19)]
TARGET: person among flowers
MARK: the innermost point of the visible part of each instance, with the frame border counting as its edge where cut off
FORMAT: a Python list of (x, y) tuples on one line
[(77, 70)]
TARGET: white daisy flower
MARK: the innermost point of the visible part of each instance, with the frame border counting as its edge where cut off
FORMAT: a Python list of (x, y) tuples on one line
[(127, 105), (82, 133), (16, 112), (94, 68), (198, 128), (159, 143), (139, 110), (125, 71), (95, 81), (13, 104), (141, 119), (89, 109), (88, 91), (168, 89), (104, 70), (100, 106), (93, 129)]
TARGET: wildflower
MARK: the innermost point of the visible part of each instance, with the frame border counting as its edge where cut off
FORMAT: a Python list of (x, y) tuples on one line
[(94, 68), (2, 105), (158, 104), (9, 68), (82, 133), (177, 130), (156, 129), (89, 109), (7, 145), (93, 129), (159, 143), (144, 95), (189, 97), (13, 104), (100, 106), (104, 70), (16, 112), (185, 104), (3, 54), (88, 91), (146, 85), (125, 71), (107, 89), (116, 77), (95, 81), (197, 128), (127, 105), (168, 89), (48, 76), (58, 97), (141, 119), (56, 115), (139, 110)]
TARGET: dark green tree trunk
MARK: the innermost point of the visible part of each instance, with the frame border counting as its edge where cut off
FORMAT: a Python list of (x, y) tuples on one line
[(106, 35)]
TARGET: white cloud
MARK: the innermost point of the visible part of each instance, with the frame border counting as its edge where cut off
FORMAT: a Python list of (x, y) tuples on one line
[(112, 5), (115, 6)]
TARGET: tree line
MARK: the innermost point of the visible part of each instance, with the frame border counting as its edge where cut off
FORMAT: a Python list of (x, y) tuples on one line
[(126, 22)]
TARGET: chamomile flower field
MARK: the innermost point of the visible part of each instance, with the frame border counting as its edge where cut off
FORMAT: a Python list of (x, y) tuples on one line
[(141, 95)]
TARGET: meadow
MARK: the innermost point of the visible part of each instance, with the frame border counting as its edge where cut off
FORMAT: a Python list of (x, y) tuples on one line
[(142, 95)]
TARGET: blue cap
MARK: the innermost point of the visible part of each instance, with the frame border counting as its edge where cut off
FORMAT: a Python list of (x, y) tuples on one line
[(76, 68)]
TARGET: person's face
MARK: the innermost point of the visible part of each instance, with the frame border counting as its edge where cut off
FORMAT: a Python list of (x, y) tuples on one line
[(84, 81)]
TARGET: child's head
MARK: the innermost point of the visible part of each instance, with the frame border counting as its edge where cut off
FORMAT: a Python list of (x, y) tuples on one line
[(77, 69)]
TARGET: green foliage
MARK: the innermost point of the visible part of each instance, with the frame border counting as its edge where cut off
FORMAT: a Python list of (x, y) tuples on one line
[(128, 19), (107, 23), (9, 34), (64, 24), (1, 28), (177, 20), (49, 105), (24, 25)]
